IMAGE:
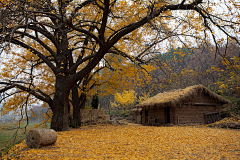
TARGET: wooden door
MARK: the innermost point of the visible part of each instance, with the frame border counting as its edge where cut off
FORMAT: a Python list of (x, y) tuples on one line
[(167, 114)]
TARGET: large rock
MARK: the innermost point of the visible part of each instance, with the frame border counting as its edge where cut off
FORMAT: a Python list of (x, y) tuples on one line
[(36, 138)]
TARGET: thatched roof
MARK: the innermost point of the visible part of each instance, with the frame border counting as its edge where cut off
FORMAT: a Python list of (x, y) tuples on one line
[(136, 109), (180, 96)]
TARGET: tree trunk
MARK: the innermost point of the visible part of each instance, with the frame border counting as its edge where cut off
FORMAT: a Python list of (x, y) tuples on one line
[(78, 101), (76, 109), (75, 103), (83, 99), (70, 114), (60, 118)]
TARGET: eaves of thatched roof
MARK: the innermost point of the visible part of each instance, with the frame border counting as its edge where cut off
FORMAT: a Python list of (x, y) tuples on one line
[(180, 96)]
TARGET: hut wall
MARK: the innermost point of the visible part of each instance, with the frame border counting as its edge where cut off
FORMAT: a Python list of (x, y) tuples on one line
[(173, 115), (138, 117), (188, 114), (144, 116), (158, 115)]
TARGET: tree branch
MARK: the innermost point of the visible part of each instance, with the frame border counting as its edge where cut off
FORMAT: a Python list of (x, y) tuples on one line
[(49, 63), (131, 27), (44, 98)]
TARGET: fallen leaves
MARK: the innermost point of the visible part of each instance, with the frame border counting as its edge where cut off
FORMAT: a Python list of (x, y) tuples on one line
[(138, 142)]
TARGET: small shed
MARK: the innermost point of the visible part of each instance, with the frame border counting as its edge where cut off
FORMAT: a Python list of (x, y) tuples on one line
[(192, 105)]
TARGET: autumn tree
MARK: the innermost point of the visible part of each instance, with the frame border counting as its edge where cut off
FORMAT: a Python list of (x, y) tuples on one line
[(115, 74), (77, 35), (124, 100)]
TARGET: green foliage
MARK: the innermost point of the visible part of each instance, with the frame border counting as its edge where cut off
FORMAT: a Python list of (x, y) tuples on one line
[(225, 114), (176, 53), (73, 125), (126, 113), (95, 102), (235, 109), (88, 107)]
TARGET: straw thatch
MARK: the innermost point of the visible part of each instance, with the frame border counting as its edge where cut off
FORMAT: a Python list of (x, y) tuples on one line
[(180, 96), (137, 110)]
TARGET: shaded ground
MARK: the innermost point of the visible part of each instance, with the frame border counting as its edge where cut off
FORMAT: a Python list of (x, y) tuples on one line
[(137, 142)]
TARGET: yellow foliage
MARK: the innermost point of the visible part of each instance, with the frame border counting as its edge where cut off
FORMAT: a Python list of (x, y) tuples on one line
[(231, 74), (144, 97), (124, 99), (18, 68), (125, 76)]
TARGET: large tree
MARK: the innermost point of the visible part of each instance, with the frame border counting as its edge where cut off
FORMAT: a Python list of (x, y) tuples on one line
[(75, 35)]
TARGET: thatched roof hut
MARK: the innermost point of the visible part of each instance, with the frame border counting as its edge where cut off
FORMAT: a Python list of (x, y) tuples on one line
[(192, 104), (180, 96)]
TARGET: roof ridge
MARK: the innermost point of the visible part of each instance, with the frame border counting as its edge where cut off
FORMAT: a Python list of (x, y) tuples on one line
[(177, 96)]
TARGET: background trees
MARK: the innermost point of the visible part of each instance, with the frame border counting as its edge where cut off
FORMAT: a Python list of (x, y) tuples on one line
[(124, 100), (71, 38)]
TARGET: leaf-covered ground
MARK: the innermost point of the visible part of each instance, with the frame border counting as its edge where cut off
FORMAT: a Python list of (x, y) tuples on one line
[(137, 142)]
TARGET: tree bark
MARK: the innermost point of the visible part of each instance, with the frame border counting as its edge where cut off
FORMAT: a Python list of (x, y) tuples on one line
[(60, 118), (76, 109), (79, 101), (82, 103), (70, 114)]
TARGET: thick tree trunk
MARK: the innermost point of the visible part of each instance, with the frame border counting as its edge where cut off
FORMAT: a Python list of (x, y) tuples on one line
[(60, 118), (70, 114), (78, 101), (76, 109), (83, 99)]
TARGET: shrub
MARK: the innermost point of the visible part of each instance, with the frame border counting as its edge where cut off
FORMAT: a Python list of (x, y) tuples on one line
[(88, 107), (73, 125), (95, 102)]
